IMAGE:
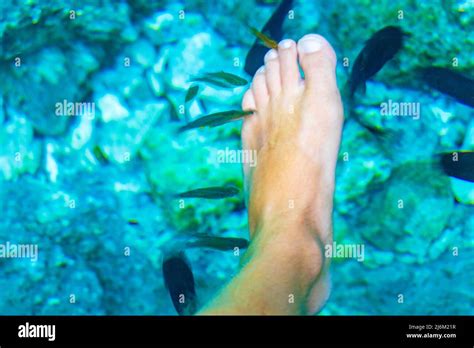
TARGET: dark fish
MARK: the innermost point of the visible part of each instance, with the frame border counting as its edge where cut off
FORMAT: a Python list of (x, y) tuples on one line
[(272, 29), (451, 83), (216, 119), (179, 281), (133, 222), (192, 92), (378, 50), (217, 192), (219, 243), (459, 164), (222, 79)]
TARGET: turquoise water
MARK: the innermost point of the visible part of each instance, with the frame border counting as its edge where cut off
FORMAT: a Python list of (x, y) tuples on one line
[(93, 93)]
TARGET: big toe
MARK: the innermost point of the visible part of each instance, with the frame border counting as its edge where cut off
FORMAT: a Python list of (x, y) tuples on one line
[(318, 60)]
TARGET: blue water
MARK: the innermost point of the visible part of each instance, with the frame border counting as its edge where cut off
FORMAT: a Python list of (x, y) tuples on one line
[(92, 93)]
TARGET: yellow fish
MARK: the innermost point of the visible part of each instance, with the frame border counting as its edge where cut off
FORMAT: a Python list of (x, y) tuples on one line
[(266, 41)]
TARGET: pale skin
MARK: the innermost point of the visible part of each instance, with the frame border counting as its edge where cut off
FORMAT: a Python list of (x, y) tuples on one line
[(296, 132)]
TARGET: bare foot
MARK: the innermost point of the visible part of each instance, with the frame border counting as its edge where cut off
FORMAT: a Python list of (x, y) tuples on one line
[(296, 132)]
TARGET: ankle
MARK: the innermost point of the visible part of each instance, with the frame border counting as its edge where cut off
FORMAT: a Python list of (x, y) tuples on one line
[(293, 243)]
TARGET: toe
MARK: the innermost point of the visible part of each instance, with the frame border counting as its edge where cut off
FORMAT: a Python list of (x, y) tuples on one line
[(289, 70), (318, 60), (259, 89), (248, 101), (272, 73)]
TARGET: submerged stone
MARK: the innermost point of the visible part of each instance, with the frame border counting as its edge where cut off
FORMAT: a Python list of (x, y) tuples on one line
[(19, 152), (410, 211)]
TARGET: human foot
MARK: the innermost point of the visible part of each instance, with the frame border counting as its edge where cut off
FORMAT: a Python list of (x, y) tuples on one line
[(296, 133)]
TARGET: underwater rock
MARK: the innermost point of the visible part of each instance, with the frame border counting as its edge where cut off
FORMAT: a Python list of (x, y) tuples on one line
[(81, 133), (101, 22), (111, 109), (30, 25), (408, 129), (193, 55), (412, 209), (463, 190), (57, 206), (19, 152), (141, 52), (189, 167), (374, 257), (172, 25), (54, 77), (79, 253), (126, 80), (233, 19), (198, 51), (141, 8), (361, 162), (21, 21), (419, 284), (121, 138)]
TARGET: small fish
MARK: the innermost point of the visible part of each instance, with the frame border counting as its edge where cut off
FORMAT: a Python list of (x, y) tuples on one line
[(179, 281), (132, 222), (218, 243), (273, 29), (216, 119), (216, 192), (378, 50), (192, 92), (100, 155), (222, 79), (230, 78), (458, 164), (265, 40), (451, 83)]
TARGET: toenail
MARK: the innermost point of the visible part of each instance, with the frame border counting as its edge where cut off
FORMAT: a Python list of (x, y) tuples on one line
[(272, 54), (310, 44), (260, 70), (285, 44)]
